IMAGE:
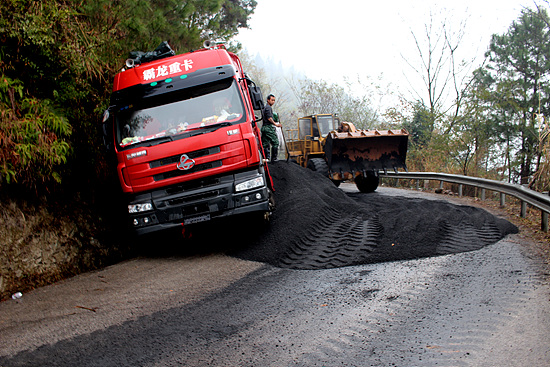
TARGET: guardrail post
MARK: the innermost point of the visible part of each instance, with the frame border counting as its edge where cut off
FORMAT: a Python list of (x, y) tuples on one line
[(441, 185), (482, 194), (460, 190), (502, 199), (523, 212), (544, 224)]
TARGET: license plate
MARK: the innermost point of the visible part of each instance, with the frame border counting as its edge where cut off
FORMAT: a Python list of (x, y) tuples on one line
[(197, 219)]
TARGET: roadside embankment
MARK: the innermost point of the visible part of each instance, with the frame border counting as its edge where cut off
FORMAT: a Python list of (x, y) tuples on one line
[(46, 241)]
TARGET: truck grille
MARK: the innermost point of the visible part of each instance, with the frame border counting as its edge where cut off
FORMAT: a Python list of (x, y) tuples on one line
[(176, 158), (196, 168)]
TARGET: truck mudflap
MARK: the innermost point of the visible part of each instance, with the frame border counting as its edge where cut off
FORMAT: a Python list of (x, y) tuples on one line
[(202, 201), (350, 154)]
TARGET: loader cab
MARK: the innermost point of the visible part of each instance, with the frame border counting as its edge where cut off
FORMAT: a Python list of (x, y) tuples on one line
[(324, 125), (316, 126), (307, 140), (312, 132)]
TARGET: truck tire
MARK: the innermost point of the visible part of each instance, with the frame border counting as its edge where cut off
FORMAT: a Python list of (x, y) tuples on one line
[(318, 165), (368, 183)]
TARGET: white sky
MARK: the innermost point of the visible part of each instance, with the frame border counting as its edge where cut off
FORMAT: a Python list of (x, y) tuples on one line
[(332, 39)]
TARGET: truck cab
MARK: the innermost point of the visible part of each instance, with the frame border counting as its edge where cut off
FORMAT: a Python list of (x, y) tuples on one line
[(186, 141)]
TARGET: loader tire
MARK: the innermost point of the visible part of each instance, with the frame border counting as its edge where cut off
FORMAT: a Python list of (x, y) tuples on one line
[(318, 165), (368, 183)]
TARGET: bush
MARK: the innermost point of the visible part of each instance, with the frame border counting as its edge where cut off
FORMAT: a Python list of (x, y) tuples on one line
[(33, 137)]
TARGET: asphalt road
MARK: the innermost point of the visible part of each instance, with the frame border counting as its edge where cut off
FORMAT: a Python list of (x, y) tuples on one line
[(488, 307)]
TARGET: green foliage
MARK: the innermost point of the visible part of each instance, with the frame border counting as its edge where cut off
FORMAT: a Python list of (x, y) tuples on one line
[(517, 85), (57, 61), (33, 138), (421, 126)]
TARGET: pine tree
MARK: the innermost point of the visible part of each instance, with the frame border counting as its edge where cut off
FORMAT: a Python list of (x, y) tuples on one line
[(519, 63)]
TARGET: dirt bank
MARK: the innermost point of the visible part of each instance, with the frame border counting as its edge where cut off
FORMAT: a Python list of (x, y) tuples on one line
[(47, 240)]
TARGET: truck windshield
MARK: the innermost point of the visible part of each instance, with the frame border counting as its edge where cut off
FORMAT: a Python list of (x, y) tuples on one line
[(175, 113)]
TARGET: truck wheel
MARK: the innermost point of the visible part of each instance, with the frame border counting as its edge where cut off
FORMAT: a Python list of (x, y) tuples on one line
[(318, 165), (367, 184)]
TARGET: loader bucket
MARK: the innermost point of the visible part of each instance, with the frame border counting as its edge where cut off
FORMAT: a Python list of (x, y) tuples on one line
[(351, 153)]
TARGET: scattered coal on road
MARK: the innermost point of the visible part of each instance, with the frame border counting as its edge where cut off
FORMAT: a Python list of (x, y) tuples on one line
[(318, 226)]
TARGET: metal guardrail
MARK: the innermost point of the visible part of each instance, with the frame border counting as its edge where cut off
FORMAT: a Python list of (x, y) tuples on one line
[(525, 195)]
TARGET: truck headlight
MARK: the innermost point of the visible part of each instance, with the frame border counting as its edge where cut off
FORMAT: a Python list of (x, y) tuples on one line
[(140, 208), (250, 184)]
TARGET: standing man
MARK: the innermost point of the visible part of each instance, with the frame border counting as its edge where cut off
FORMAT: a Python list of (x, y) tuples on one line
[(269, 133)]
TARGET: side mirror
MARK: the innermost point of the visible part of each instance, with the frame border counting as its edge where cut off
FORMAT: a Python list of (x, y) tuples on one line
[(256, 96)]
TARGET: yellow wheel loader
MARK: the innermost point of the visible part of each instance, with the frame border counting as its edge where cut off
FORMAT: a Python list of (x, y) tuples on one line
[(341, 152)]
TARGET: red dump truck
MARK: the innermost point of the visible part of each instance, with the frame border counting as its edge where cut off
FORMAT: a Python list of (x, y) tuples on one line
[(184, 132)]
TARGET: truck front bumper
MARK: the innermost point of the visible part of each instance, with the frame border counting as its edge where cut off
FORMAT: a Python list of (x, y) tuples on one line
[(199, 201)]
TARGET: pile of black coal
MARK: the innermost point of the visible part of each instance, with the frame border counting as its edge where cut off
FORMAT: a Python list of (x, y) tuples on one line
[(317, 225)]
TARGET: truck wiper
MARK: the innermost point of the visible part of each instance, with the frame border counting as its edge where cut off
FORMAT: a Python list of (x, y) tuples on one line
[(197, 130), (206, 129), (218, 126), (159, 140)]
